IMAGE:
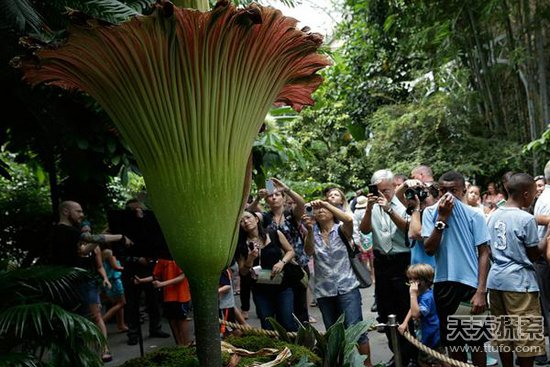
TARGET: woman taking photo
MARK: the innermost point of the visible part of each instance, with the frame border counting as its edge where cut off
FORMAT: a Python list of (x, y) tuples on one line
[(336, 286), (264, 256)]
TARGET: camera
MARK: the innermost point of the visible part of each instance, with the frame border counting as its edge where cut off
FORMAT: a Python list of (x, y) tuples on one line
[(373, 189), (418, 191), (270, 187), (309, 210)]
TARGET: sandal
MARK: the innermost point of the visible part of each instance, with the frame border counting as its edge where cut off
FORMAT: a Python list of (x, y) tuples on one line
[(106, 357)]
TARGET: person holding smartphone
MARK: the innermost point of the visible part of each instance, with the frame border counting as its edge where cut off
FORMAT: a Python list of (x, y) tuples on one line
[(386, 218), (279, 217), (260, 252)]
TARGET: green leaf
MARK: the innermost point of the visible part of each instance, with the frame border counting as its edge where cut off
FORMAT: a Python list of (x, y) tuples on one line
[(336, 337), (357, 131), (283, 335), (389, 22)]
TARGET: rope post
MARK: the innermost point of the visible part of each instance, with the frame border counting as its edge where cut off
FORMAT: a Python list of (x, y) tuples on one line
[(394, 335)]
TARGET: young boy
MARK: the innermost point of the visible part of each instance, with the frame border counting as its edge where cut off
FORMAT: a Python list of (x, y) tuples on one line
[(226, 301), (423, 311), (176, 296), (514, 292)]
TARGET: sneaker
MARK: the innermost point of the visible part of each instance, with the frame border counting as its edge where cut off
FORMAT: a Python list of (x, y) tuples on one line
[(106, 357), (159, 334), (541, 360), (491, 361), (373, 308)]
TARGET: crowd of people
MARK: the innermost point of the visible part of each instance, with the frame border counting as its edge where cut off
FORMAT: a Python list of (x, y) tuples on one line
[(442, 254)]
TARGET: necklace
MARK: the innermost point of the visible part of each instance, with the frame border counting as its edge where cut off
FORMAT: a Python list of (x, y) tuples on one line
[(256, 241)]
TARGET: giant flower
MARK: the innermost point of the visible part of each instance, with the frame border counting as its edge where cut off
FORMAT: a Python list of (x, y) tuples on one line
[(188, 91)]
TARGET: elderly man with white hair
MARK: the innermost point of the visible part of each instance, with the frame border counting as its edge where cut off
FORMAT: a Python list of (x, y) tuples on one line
[(386, 218)]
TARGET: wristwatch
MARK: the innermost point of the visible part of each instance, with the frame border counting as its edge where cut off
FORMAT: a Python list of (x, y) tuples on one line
[(440, 225)]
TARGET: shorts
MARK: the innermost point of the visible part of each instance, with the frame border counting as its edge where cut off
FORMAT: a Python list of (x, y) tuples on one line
[(518, 323), (367, 255), (116, 291), (458, 330), (176, 310), (88, 292)]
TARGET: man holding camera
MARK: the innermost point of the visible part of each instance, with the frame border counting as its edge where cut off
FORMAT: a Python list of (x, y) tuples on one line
[(386, 218), (416, 196)]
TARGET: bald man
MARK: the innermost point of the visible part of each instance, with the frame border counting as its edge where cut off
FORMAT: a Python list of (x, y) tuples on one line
[(423, 173), (66, 237), (72, 247)]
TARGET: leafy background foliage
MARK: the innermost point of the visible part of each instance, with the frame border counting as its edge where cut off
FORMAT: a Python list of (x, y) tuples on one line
[(453, 84)]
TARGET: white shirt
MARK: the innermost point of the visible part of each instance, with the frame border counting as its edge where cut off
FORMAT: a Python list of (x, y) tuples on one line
[(542, 207)]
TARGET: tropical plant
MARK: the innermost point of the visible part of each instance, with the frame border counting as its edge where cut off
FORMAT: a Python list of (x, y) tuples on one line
[(25, 212), (35, 330), (188, 92), (337, 347)]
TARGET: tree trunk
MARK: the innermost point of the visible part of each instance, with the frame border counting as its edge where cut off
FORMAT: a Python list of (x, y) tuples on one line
[(54, 185), (493, 121), (543, 89), (204, 295)]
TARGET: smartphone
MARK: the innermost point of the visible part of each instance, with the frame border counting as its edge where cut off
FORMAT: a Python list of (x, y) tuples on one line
[(270, 187), (373, 189), (309, 211), (251, 246)]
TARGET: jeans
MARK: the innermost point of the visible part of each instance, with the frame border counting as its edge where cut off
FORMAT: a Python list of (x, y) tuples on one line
[(246, 285), (277, 302), (348, 304), (300, 300), (392, 296)]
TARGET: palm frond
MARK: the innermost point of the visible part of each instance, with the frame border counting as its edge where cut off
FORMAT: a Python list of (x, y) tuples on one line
[(139, 5), (20, 15), (112, 11), (48, 325), (18, 360), (50, 283)]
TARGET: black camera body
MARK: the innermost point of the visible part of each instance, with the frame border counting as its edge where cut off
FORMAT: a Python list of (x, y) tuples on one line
[(421, 192)]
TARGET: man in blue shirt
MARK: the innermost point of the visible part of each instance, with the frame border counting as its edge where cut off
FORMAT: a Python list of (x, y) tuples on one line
[(458, 237)]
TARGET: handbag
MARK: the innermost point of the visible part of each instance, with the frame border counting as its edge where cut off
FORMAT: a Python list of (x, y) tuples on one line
[(295, 274), (359, 268)]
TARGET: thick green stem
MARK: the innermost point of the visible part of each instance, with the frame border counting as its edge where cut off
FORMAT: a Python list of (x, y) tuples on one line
[(204, 294)]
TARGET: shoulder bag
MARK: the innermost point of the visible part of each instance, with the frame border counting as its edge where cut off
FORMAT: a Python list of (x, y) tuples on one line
[(359, 268)]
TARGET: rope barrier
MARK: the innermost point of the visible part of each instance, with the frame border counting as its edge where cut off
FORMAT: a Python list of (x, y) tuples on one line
[(433, 353), (251, 330)]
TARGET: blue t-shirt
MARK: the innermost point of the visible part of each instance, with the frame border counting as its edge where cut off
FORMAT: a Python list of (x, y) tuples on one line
[(512, 232), (429, 322), (419, 255), (456, 259)]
